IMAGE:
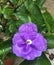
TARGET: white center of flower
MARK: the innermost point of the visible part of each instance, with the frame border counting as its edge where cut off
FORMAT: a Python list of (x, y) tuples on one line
[(29, 41)]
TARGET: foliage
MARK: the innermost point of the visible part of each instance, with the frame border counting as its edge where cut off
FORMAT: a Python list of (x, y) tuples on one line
[(13, 13)]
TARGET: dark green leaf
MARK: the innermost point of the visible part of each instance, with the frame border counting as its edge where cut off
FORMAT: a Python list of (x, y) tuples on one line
[(22, 14), (12, 28), (19, 23), (7, 12), (5, 47), (21, 9), (35, 14), (48, 21), (28, 3), (40, 2), (50, 40), (38, 61), (14, 1), (17, 2)]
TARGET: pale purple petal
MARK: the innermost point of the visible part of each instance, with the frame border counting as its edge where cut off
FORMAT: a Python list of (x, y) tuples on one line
[(21, 51), (17, 39), (40, 42), (30, 35), (27, 49), (28, 27), (17, 50), (33, 54)]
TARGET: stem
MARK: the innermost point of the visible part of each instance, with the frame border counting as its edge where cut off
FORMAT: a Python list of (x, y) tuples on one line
[(29, 18)]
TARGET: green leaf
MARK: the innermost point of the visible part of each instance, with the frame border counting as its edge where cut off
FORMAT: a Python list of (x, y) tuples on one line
[(28, 3), (7, 12), (40, 2), (48, 21), (35, 14), (12, 28), (22, 14), (19, 23), (14, 1), (21, 9), (38, 61), (5, 47), (50, 40)]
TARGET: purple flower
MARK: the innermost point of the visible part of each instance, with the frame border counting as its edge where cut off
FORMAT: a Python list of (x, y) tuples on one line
[(28, 43)]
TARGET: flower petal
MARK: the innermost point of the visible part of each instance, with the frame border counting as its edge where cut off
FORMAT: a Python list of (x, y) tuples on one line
[(33, 54), (40, 42), (28, 27), (21, 51), (17, 40), (27, 49), (17, 50), (30, 35)]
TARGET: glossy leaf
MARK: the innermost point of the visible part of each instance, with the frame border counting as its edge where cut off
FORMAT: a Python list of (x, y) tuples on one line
[(38, 61)]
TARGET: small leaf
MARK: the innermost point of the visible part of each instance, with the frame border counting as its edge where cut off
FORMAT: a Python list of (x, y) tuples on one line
[(38, 61), (7, 12), (12, 28)]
